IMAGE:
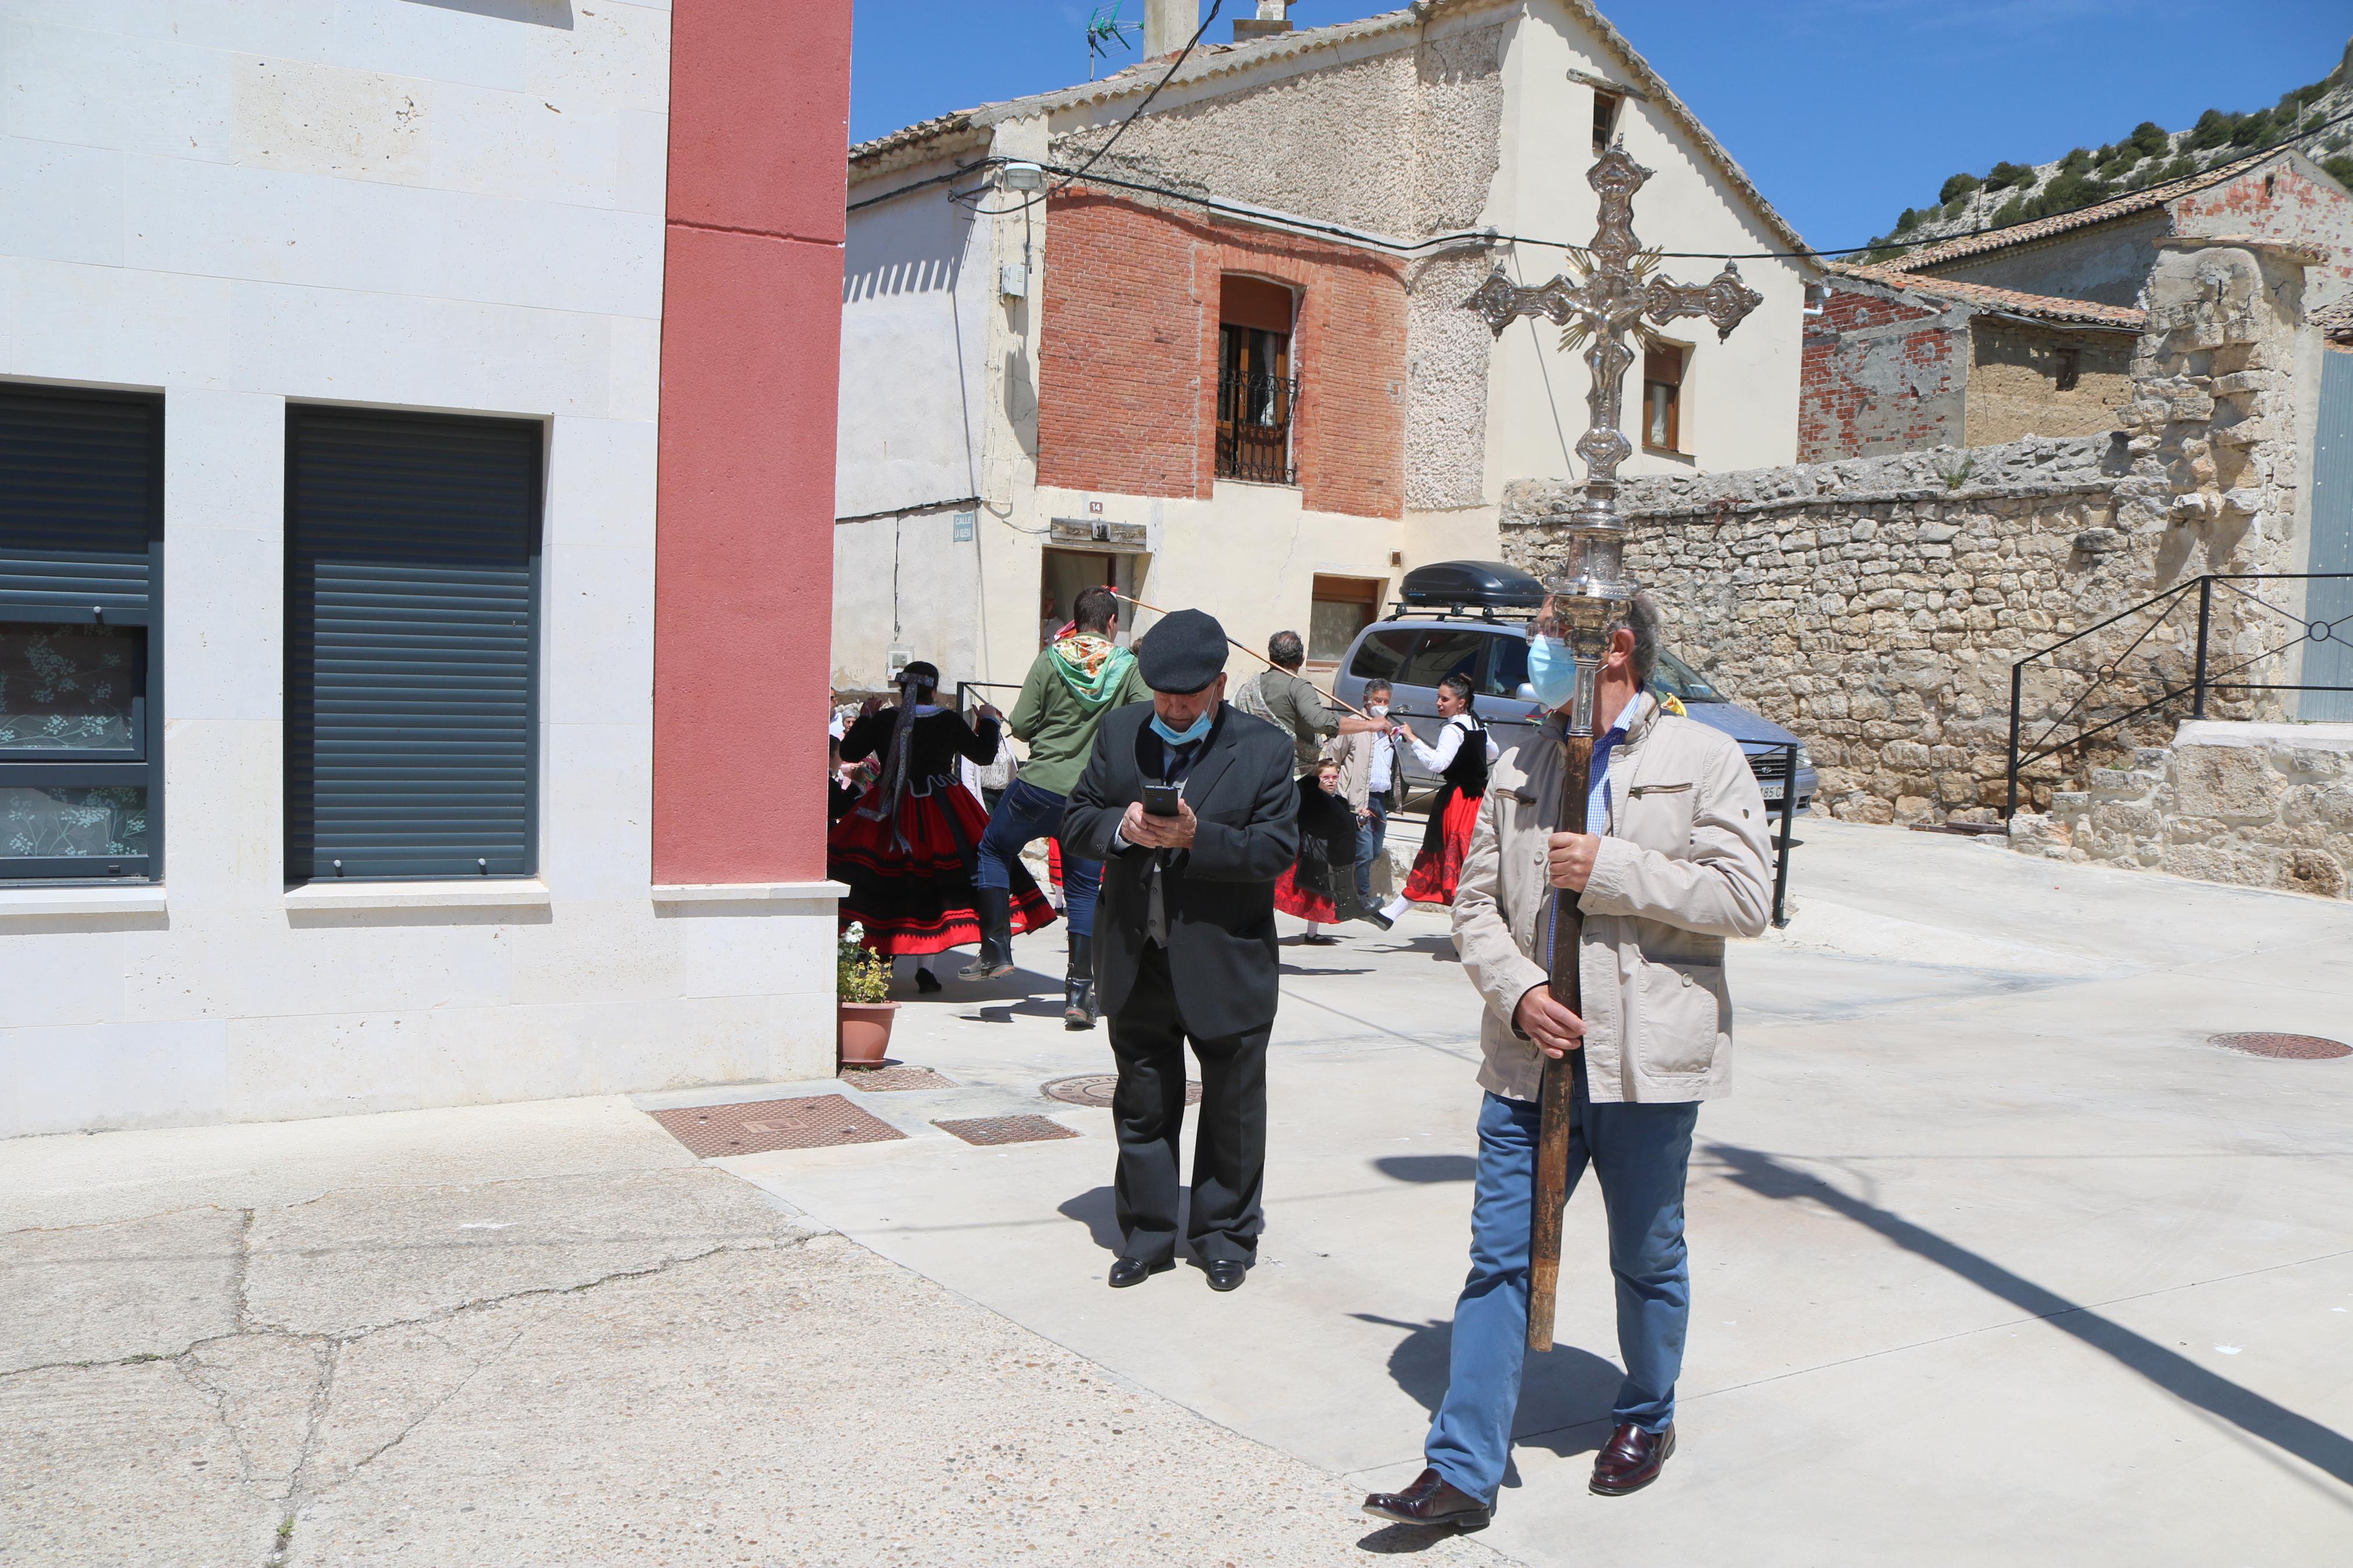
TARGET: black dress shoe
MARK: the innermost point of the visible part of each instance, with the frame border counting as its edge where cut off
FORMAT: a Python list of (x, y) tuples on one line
[(926, 981), (1129, 1271), (1226, 1274), (1631, 1459), (1317, 939), (1430, 1500)]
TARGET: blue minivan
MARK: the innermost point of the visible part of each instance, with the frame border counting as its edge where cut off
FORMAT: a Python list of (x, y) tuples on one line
[(1470, 617)]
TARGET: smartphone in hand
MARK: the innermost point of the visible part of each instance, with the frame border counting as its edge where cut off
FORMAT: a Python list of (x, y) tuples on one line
[(1160, 799)]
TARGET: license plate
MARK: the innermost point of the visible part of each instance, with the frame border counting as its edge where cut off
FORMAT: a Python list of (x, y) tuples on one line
[(1772, 788)]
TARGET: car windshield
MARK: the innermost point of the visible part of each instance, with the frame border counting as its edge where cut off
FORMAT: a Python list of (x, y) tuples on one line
[(1674, 678)]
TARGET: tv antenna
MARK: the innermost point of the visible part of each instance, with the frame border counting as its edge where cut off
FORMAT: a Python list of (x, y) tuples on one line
[(1107, 30)]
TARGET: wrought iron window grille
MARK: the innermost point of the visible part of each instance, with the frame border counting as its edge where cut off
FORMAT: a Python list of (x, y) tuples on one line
[(1254, 423)]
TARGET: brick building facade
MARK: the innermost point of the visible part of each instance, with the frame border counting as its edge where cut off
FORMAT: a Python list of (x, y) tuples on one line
[(1128, 395)]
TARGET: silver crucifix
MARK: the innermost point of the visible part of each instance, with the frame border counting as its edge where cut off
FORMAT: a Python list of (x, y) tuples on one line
[(1615, 290)]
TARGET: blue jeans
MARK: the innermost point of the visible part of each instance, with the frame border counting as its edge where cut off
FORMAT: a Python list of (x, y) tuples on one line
[(1370, 836), (1639, 1154), (1025, 812)]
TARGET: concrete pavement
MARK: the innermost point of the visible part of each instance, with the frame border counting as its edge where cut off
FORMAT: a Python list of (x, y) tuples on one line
[(1995, 1258)]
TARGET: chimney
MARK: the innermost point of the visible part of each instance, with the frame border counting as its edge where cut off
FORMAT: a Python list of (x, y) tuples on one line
[(1273, 16), (1169, 26)]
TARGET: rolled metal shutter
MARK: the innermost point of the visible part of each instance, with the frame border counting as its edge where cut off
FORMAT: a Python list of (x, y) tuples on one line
[(81, 499), (412, 646)]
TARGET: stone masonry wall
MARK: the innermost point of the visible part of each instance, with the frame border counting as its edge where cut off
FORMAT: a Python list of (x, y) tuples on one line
[(2264, 805), (1876, 606)]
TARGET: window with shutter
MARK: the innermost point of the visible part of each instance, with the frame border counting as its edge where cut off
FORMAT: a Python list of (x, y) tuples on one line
[(412, 646), (82, 537)]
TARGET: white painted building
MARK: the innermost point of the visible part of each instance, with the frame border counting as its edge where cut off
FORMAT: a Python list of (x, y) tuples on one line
[(998, 443), (274, 275)]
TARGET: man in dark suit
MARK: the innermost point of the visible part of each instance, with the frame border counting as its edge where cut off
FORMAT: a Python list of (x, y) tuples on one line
[(1185, 944)]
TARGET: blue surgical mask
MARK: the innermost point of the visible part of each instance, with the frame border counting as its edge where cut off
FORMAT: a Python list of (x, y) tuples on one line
[(1189, 733), (1552, 672)]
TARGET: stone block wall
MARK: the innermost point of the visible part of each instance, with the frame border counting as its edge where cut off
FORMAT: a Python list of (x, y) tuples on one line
[(2262, 805)]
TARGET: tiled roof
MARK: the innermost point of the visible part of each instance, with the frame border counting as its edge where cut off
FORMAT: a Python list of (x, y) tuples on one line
[(2044, 307), (2335, 322), (1213, 60), (2063, 223)]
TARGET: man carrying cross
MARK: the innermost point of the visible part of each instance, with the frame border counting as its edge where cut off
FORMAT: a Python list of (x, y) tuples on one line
[(1676, 863)]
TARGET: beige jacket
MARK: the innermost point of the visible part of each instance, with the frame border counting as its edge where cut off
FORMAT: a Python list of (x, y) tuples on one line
[(1354, 755), (1682, 866)]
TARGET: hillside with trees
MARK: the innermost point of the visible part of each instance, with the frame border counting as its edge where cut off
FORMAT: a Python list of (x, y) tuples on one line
[(2316, 116)]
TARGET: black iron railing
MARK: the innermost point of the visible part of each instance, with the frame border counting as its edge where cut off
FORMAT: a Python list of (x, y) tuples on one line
[(1254, 415), (2161, 670)]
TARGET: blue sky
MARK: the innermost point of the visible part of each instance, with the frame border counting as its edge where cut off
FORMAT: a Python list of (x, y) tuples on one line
[(1844, 111)]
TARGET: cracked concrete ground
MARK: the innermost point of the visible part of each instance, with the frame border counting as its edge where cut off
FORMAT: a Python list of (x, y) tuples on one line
[(1995, 1259), (589, 1349)]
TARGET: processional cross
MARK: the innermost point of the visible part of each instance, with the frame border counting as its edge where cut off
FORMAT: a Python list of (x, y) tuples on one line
[(1616, 290)]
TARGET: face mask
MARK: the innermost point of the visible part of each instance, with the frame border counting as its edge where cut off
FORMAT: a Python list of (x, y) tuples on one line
[(1378, 709), (1187, 735), (1552, 672)]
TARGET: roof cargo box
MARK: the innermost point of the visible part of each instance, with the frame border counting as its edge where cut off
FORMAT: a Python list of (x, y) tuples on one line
[(1471, 584)]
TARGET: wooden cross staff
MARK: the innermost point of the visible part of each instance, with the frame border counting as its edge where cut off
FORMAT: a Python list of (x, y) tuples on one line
[(1617, 292)]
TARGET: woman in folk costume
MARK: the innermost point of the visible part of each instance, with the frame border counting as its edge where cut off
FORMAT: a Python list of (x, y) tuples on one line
[(1464, 749), (907, 851), (1306, 887)]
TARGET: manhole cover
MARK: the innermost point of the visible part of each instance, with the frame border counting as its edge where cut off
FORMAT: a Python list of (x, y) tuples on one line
[(1096, 1090), (1006, 1129), (875, 1079), (818, 1121), (2289, 1047)]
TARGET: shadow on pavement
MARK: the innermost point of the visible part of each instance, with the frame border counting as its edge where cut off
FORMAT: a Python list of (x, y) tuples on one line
[(1426, 1167), (1396, 1540), (2315, 1445), (1566, 1394), (1092, 1208), (1296, 969)]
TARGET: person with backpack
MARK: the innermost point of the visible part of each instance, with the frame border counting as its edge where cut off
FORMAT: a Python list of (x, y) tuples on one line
[(1284, 699), (1071, 684)]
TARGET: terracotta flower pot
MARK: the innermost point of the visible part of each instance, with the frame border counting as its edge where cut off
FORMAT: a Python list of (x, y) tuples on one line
[(864, 1032)]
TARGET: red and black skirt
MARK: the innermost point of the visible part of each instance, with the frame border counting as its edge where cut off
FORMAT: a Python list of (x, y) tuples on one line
[(1445, 844), (1295, 896), (911, 879)]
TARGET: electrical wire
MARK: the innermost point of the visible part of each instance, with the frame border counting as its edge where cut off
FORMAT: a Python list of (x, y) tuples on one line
[(1487, 235), (1173, 67)]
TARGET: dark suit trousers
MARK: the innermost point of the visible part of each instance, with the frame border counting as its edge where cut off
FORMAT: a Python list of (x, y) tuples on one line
[(1147, 1040)]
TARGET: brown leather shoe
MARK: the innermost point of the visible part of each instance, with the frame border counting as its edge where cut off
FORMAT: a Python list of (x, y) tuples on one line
[(1631, 1459), (1431, 1501)]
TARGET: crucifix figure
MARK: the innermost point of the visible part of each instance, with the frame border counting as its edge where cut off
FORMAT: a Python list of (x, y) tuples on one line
[(1616, 291)]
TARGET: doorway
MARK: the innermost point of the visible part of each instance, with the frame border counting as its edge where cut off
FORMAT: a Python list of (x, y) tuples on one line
[(1066, 574)]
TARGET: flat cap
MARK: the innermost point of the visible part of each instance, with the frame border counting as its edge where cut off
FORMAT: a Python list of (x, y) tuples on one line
[(1183, 652)]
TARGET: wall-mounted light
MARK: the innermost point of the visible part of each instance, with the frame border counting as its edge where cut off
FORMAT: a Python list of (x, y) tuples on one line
[(1022, 176)]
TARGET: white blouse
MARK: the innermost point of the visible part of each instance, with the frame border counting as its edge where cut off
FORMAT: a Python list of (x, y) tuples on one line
[(1450, 741)]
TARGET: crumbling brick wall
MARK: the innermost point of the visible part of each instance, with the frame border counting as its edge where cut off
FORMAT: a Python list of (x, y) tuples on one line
[(1881, 374), (1128, 384)]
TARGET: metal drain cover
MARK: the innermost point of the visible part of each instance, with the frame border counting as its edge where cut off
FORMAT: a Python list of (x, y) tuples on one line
[(1006, 1129), (2287, 1047), (1096, 1088), (819, 1121), (874, 1080)]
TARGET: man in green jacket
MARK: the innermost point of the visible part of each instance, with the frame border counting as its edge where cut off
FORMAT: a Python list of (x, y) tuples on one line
[(1070, 686)]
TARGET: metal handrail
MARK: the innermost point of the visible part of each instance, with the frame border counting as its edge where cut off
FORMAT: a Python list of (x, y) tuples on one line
[(1255, 415), (2202, 680)]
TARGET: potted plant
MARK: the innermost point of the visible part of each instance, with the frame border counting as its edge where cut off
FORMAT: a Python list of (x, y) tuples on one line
[(862, 987)]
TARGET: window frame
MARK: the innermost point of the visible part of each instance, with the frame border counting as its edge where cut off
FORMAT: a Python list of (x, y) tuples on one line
[(1607, 108), (1675, 445), (1364, 593), (145, 769), (323, 869)]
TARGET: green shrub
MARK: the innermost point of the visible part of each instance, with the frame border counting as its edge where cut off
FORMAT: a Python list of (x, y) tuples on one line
[(859, 976), (1954, 187), (2341, 169), (2213, 129), (2005, 175), (2149, 137), (2251, 130), (2076, 162), (2012, 211), (1907, 221)]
